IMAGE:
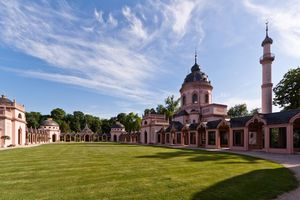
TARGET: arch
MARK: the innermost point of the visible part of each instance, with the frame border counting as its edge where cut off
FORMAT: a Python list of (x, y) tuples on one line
[(296, 134), (115, 138), (256, 118), (145, 137), (206, 98), (87, 138), (19, 136), (194, 98), (54, 138), (256, 133), (19, 116), (183, 100)]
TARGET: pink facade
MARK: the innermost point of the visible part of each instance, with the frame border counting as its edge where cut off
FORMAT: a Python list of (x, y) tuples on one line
[(201, 123)]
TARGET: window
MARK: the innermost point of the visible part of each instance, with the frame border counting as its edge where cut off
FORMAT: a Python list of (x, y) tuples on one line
[(183, 100), (211, 138), (20, 116), (278, 137), (145, 122), (206, 98), (195, 98), (192, 138), (238, 138)]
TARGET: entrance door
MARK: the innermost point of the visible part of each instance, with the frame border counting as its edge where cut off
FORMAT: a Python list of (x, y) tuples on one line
[(19, 137), (223, 138), (146, 138), (296, 135), (53, 138), (115, 138)]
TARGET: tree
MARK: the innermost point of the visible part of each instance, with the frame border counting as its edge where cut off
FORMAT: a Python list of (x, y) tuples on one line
[(5, 137), (287, 91), (171, 106), (239, 110), (58, 114), (33, 119), (255, 111), (160, 109)]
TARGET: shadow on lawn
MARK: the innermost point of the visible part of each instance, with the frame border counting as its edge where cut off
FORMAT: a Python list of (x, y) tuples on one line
[(201, 156), (258, 184)]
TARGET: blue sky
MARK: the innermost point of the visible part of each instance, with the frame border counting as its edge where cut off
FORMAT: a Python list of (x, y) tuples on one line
[(107, 57)]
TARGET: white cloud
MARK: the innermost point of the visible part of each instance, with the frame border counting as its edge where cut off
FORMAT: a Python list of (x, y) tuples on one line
[(82, 55), (136, 25), (284, 18)]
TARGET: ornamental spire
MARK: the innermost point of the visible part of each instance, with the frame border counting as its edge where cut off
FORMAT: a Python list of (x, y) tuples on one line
[(267, 28), (195, 56)]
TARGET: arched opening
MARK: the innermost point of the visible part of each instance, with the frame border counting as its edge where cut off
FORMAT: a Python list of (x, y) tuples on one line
[(183, 100), (104, 138), (19, 136), (206, 98), (256, 135), (296, 135), (201, 137), (195, 98), (20, 116), (224, 135), (145, 137), (115, 138), (54, 138), (68, 138), (86, 138), (158, 137)]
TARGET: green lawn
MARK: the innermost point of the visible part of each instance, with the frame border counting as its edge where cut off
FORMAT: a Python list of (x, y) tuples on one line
[(114, 171)]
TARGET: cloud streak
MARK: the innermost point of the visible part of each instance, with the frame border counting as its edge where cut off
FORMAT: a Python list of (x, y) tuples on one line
[(82, 49)]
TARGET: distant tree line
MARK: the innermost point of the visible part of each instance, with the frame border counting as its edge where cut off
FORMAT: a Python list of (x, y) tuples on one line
[(76, 122)]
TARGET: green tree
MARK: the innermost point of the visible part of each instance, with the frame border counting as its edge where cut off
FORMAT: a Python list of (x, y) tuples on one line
[(33, 119), (64, 127), (171, 106), (239, 110), (255, 111), (160, 109), (58, 114), (287, 91)]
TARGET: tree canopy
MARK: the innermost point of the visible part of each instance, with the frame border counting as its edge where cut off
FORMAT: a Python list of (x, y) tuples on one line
[(287, 91), (76, 121), (238, 110), (169, 109)]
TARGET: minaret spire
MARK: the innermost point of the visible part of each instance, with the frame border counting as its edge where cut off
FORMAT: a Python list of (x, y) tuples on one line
[(195, 56), (267, 29)]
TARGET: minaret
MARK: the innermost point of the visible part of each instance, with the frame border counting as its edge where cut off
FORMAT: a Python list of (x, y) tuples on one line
[(266, 62)]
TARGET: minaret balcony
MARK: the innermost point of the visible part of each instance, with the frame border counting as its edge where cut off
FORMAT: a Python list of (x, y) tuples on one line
[(267, 57)]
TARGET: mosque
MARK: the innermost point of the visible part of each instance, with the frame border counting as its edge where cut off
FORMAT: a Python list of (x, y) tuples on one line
[(201, 123), (198, 123)]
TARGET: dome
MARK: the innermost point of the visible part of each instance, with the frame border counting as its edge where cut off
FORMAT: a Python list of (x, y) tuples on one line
[(118, 125), (5, 100), (267, 40), (196, 75), (49, 122)]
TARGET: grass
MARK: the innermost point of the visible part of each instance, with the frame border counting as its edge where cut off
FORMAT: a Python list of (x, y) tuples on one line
[(116, 171)]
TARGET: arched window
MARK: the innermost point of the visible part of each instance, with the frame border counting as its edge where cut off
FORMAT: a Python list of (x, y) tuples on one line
[(195, 98), (20, 116), (183, 100), (206, 98)]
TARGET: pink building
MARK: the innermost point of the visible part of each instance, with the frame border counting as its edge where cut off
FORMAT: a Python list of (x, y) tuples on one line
[(12, 123), (201, 123)]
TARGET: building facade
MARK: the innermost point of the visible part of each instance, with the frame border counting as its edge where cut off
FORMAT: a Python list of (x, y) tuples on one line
[(12, 123), (201, 123), (52, 128)]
